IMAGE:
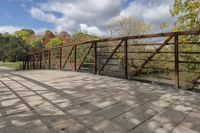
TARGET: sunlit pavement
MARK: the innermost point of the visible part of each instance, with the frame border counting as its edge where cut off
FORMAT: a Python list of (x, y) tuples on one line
[(44, 101)]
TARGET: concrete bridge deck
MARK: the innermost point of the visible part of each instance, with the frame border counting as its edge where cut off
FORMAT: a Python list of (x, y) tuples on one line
[(67, 102)]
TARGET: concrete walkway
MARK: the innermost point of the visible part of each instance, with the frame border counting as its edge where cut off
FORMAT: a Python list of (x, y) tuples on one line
[(67, 102)]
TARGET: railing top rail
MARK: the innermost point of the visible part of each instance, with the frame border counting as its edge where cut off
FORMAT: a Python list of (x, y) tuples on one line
[(151, 35), (196, 32)]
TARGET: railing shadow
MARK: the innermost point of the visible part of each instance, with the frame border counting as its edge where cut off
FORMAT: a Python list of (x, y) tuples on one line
[(94, 104)]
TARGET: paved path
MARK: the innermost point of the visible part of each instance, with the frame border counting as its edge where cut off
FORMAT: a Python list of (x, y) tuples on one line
[(68, 102)]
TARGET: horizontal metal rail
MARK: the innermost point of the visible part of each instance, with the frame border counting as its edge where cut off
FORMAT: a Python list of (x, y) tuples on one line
[(126, 55)]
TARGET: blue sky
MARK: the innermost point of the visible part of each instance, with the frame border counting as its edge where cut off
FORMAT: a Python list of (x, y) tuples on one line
[(16, 13), (79, 15)]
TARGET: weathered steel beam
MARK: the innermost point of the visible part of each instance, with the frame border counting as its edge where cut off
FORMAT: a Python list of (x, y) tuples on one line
[(126, 58), (75, 49), (84, 58), (110, 56), (36, 60), (41, 60), (33, 59), (60, 58), (68, 57), (133, 73), (176, 61), (195, 79), (95, 57), (49, 56), (23, 65), (28, 62), (133, 37)]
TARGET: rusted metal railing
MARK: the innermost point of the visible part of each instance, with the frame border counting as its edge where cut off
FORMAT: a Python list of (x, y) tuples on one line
[(142, 57)]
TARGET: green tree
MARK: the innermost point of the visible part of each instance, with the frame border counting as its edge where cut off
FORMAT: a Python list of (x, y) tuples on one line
[(16, 49), (25, 34), (128, 26), (54, 42), (64, 36), (12, 48), (2, 48), (188, 13), (47, 37), (37, 44), (188, 18)]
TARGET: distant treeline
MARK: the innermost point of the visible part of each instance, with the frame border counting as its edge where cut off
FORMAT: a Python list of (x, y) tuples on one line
[(13, 47)]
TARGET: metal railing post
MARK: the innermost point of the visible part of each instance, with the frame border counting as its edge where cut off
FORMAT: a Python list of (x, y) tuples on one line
[(28, 60), (95, 57), (33, 60), (60, 58), (125, 59), (176, 59), (49, 59), (75, 48), (23, 65), (41, 60)]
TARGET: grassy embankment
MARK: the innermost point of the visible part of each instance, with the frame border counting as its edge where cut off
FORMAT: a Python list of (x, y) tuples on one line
[(11, 65)]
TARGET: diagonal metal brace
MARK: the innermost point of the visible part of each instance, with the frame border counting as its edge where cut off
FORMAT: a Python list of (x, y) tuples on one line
[(195, 80), (111, 56), (68, 57), (134, 73), (85, 57)]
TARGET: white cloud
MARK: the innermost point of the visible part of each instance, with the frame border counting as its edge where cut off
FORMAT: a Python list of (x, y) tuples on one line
[(40, 31), (7, 15), (90, 30), (11, 29), (153, 12), (72, 13), (76, 15), (157, 13), (23, 5), (39, 14), (61, 23)]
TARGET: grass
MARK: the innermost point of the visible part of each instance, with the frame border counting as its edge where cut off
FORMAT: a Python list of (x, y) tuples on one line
[(12, 65)]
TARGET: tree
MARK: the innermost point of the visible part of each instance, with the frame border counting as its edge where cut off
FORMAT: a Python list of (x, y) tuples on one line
[(37, 44), (81, 37), (188, 18), (2, 48), (128, 26), (48, 36), (5, 34), (188, 13), (64, 36), (25, 34), (12, 48), (54, 42)]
